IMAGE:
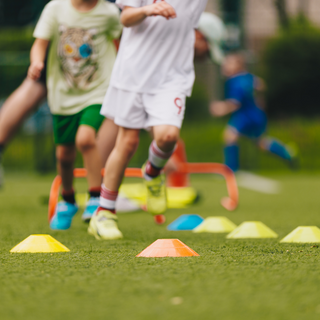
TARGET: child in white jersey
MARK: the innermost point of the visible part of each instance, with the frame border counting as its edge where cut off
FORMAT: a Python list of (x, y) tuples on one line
[(152, 76), (81, 57)]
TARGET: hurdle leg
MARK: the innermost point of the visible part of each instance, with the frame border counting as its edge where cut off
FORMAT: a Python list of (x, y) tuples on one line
[(230, 202), (54, 196)]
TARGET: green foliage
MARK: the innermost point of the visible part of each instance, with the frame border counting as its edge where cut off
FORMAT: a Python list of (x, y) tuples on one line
[(15, 44), (231, 280), (11, 78), (20, 13), (203, 140), (292, 69), (197, 104), (16, 39)]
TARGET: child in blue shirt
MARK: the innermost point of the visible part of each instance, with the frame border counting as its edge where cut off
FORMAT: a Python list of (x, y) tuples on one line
[(247, 118)]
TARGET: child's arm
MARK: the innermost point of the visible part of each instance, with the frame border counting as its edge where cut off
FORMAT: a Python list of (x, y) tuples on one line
[(222, 108), (132, 16), (260, 88), (259, 84), (37, 57)]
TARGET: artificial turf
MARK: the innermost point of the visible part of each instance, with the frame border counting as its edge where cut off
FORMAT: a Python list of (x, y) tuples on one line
[(232, 279)]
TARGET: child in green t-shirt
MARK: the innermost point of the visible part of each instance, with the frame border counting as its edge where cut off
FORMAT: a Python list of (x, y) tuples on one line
[(81, 57)]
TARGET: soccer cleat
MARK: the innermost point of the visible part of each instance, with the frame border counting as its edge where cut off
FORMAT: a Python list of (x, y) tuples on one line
[(92, 206), (104, 226), (63, 215), (156, 195)]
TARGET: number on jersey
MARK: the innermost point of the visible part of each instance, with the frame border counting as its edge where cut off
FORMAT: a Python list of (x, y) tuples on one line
[(178, 103)]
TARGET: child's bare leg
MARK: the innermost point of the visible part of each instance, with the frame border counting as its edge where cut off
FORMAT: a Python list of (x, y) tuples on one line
[(65, 210), (20, 103), (66, 156), (87, 144), (103, 224), (231, 149), (106, 139), (126, 145), (166, 137), (160, 150)]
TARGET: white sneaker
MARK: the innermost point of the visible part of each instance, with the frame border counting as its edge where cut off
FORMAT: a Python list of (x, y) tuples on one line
[(91, 207), (104, 226)]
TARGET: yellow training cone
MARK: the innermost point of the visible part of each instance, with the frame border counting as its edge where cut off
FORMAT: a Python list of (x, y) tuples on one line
[(252, 229), (215, 225), (303, 235), (39, 243)]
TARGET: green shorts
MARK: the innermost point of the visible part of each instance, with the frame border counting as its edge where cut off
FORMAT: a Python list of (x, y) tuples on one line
[(65, 127)]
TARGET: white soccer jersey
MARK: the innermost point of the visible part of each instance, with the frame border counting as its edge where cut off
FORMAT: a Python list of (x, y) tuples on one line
[(157, 55)]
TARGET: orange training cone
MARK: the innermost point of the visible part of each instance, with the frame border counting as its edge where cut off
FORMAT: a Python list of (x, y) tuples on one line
[(167, 248)]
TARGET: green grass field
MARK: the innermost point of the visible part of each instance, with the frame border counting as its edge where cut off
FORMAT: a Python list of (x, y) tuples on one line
[(232, 279)]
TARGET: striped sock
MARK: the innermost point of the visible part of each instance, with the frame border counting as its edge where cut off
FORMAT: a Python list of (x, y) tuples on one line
[(156, 161), (108, 199)]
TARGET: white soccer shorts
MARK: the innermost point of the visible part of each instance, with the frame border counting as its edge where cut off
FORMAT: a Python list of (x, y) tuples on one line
[(141, 111)]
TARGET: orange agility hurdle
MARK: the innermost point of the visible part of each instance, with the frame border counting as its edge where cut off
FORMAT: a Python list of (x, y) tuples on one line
[(80, 173), (230, 203)]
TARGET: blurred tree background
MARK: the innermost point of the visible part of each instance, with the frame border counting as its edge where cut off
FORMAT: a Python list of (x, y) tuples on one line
[(20, 13), (291, 64), (289, 60), (292, 69), (17, 19)]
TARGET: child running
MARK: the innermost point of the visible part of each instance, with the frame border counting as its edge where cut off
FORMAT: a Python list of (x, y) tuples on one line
[(247, 118), (81, 57), (152, 77), (25, 100)]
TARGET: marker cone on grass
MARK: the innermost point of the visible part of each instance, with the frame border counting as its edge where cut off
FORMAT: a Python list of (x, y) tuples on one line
[(215, 225), (37, 243), (303, 235), (167, 248), (252, 230), (185, 222)]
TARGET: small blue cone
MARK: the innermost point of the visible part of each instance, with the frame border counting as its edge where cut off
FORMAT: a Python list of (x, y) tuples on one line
[(185, 222)]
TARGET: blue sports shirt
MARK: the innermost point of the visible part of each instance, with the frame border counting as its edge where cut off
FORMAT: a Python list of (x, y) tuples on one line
[(240, 89), (249, 119)]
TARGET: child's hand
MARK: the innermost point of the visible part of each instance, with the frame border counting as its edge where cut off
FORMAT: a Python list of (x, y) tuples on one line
[(34, 71), (217, 108), (222, 108), (160, 9)]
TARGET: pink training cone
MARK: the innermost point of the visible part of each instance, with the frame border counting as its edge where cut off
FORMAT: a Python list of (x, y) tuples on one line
[(167, 248)]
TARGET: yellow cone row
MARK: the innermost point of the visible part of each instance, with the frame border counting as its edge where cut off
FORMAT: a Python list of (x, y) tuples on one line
[(256, 230), (37, 243)]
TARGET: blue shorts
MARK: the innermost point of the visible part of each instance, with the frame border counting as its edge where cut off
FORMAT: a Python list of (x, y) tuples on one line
[(251, 123)]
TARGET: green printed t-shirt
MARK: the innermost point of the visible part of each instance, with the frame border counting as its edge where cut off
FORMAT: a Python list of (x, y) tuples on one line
[(81, 54)]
